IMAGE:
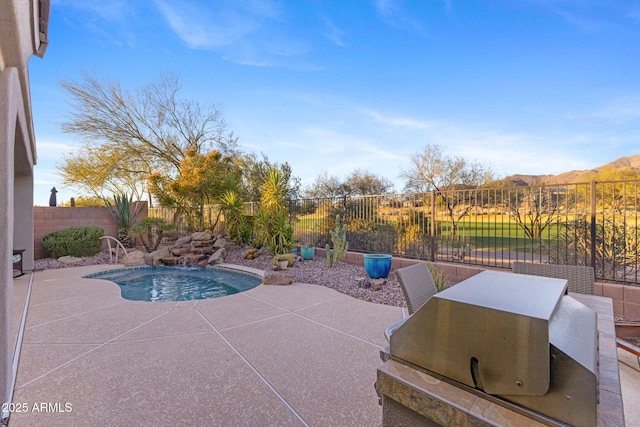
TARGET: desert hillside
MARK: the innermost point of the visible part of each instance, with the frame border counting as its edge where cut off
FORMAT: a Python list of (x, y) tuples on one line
[(574, 176)]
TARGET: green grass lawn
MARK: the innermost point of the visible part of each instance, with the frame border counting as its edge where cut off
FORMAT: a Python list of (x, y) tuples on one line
[(484, 232)]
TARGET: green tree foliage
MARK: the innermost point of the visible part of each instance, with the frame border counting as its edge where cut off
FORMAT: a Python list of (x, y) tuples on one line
[(358, 183), (271, 224), (97, 171), (617, 189), (237, 224), (199, 181), (254, 168), (85, 201), (364, 183)]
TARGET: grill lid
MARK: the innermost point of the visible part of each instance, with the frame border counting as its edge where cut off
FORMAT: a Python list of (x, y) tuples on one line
[(515, 336)]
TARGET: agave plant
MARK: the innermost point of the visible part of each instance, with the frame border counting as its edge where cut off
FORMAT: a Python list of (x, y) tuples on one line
[(125, 217)]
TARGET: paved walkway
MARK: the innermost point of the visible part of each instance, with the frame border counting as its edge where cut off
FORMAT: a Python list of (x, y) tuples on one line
[(293, 355)]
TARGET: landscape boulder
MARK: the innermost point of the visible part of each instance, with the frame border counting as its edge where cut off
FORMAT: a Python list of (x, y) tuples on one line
[(277, 278), (218, 256), (133, 259), (154, 257), (201, 235), (183, 241)]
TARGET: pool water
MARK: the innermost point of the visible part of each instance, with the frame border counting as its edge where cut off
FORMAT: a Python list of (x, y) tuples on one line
[(177, 283)]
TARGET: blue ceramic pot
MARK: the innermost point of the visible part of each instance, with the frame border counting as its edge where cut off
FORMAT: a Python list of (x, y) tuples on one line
[(377, 266), (307, 252)]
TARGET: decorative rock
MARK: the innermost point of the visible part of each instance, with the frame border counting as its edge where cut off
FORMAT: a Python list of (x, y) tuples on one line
[(171, 260), (363, 282), (218, 256), (251, 254), (183, 241), (154, 258), (68, 259), (180, 251), (220, 242), (277, 278), (201, 235), (133, 259), (376, 284), (203, 263), (207, 250), (201, 243), (191, 259)]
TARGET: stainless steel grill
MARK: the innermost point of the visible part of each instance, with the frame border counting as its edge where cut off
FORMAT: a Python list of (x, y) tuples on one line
[(516, 338)]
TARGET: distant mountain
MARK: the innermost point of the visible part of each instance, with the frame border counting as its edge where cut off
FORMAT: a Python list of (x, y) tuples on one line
[(573, 176)]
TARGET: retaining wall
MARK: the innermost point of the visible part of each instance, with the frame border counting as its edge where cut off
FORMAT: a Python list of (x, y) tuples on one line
[(626, 298)]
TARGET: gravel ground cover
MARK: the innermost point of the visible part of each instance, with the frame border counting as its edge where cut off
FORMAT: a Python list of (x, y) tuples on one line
[(343, 277)]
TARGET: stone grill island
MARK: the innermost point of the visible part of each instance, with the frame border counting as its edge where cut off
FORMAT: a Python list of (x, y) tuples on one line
[(504, 349)]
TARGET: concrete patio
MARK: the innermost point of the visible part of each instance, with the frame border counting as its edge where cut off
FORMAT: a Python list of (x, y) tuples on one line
[(293, 355)]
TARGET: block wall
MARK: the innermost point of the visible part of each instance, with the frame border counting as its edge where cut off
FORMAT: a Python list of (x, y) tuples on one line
[(626, 298), (48, 219)]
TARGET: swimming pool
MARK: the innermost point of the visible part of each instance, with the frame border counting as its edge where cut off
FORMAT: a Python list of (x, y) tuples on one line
[(177, 283)]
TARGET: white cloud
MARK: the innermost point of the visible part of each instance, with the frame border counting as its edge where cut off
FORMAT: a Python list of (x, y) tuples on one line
[(397, 121), (50, 150), (249, 33), (211, 25), (333, 33), (386, 7), (113, 21)]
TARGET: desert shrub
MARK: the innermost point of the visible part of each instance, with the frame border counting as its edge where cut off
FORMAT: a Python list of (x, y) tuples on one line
[(75, 241), (150, 231)]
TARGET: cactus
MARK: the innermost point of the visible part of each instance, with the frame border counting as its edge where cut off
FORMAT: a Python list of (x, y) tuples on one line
[(340, 244)]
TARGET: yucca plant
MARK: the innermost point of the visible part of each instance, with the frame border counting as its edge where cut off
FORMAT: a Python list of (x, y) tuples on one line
[(125, 217), (441, 281)]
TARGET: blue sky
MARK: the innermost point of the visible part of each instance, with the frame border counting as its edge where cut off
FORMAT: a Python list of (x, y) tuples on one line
[(526, 86)]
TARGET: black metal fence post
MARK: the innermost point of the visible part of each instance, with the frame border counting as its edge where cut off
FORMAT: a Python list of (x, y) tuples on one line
[(593, 225)]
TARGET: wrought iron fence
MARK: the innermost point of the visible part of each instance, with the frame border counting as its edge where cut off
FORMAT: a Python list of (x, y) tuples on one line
[(592, 223)]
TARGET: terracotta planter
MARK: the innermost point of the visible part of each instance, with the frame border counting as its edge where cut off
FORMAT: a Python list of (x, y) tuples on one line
[(377, 266)]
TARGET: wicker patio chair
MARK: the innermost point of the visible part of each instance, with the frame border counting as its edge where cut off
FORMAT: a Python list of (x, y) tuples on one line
[(580, 279), (417, 286)]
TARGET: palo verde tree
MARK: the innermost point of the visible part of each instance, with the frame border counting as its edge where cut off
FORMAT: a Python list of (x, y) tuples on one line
[(128, 135), (431, 170), (199, 182)]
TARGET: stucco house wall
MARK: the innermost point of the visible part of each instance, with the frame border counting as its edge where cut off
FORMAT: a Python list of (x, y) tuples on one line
[(23, 33)]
